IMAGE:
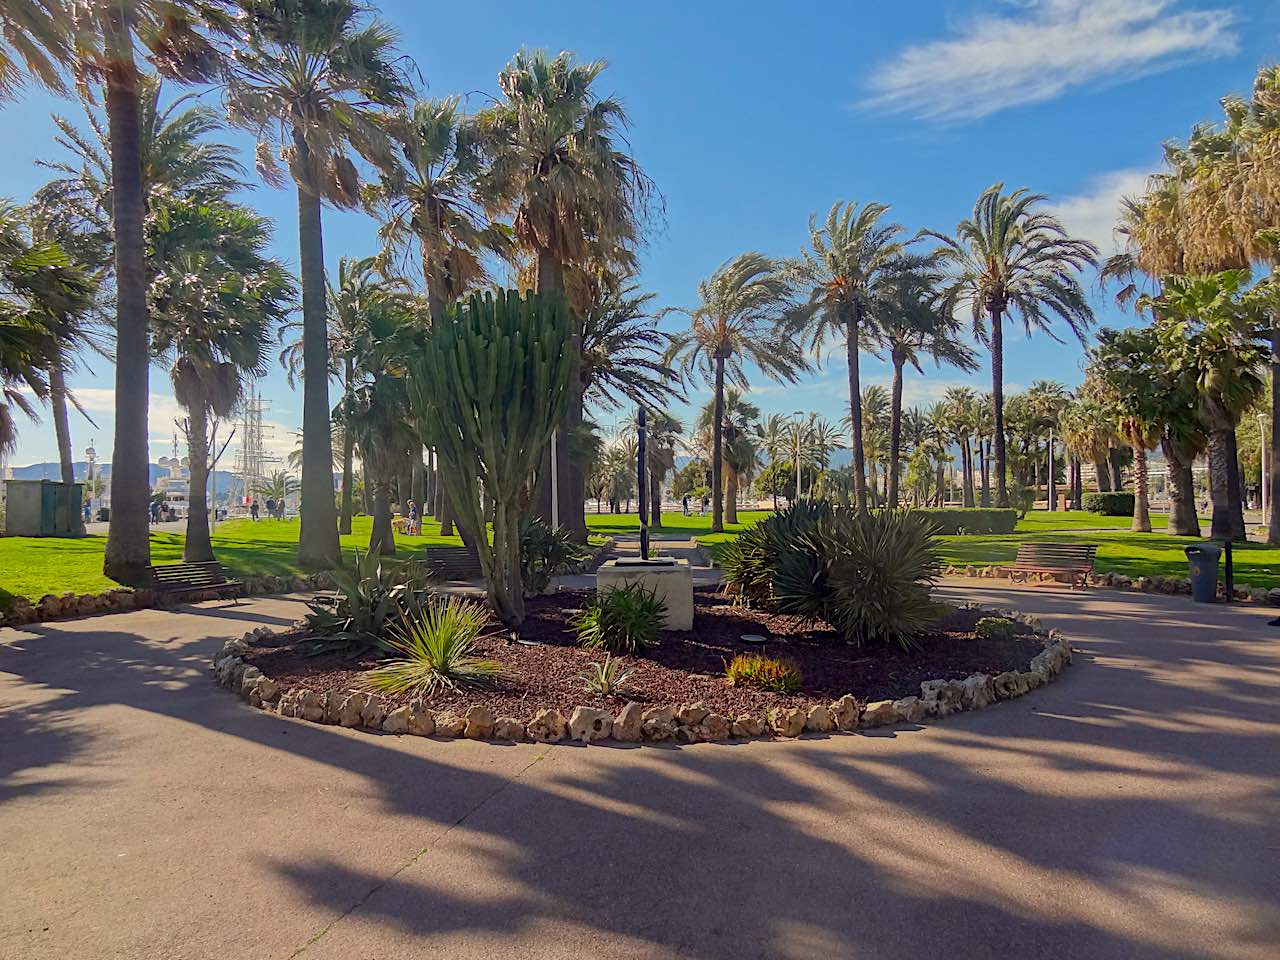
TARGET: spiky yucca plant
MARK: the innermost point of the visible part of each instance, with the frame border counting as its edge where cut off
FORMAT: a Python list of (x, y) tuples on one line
[(435, 651)]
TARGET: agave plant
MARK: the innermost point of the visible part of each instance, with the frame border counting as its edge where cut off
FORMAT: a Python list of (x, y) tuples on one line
[(545, 553), (606, 679), (750, 562), (372, 593), (435, 651), (622, 620)]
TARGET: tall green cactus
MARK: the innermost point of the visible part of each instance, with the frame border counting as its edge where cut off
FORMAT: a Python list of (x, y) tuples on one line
[(488, 389)]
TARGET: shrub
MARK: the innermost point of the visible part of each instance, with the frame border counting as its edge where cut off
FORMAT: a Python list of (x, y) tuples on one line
[(995, 628), (606, 679), (950, 521), (435, 650), (621, 620), (545, 553), (1024, 498), (763, 673), (750, 561), (374, 592), (1114, 504)]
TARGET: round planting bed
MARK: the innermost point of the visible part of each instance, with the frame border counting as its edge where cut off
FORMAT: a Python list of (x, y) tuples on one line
[(676, 691)]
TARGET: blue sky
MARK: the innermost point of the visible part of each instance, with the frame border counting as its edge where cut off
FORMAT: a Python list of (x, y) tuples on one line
[(750, 120)]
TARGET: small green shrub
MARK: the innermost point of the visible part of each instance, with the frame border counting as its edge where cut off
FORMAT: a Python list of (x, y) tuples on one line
[(370, 594), (622, 620), (435, 650), (545, 553), (1024, 498), (763, 673), (995, 628), (1115, 504), (606, 679), (951, 521)]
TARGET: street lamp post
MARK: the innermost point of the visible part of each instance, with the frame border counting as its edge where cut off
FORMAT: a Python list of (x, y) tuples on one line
[(1262, 451), (798, 414)]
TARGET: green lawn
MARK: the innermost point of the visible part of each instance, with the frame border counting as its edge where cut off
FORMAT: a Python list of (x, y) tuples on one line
[(1040, 520)]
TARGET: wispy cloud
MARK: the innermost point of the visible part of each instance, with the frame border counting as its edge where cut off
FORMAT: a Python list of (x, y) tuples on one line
[(1093, 215), (1041, 48)]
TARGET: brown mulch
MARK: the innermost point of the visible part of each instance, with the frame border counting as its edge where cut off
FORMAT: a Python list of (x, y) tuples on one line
[(542, 666)]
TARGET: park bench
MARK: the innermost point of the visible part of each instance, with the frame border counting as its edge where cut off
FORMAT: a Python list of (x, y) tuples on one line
[(452, 563), (1073, 559), (183, 579)]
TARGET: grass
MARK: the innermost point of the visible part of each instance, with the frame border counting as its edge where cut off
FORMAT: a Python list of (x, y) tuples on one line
[(1040, 520)]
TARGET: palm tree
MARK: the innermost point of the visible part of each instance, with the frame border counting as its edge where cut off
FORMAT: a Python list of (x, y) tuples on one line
[(216, 298), (849, 258), (429, 199), (307, 80), (279, 485), (909, 324), (623, 351), (875, 404), (1046, 400), (1011, 257), (960, 404), (559, 168), (36, 38), (738, 420), (744, 315), (771, 439)]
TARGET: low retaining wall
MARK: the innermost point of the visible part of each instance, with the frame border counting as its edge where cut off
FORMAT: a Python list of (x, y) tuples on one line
[(1169, 586)]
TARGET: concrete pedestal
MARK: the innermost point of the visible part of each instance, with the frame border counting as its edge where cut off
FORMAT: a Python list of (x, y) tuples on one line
[(671, 580)]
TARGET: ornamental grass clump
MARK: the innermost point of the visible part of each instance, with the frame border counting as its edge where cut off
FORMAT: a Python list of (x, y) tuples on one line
[(621, 620), (435, 651), (371, 593), (606, 679), (763, 673)]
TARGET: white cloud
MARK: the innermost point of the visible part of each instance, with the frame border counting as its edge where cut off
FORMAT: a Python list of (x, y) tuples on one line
[(1093, 215), (1041, 49)]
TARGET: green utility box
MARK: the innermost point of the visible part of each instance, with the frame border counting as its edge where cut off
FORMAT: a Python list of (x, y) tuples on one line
[(43, 508)]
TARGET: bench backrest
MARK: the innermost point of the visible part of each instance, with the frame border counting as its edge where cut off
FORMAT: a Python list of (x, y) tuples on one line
[(452, 562), (1057, 554), (207, 573)]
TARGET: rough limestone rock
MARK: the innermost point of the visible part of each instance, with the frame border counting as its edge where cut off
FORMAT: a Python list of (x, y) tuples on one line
[(979, 691), (587, 724), (820, 719), (266, 691), (508, 728), (659, 729), (480, 721), (911, 709), (787, 721), (691, 714), (374, 712), (422, 722), (1009, 685), (745, 725), (880, 713), (397, 721), (1031, 679), (1273, 596), (547, 726), (311, 707), (333, 700), (351, 713), (714, 726), (287, 705), (943, 697), (236, 648), (449, 724), (248, 678), (628, 725), (846, 711), (666, 714), (686, 734)]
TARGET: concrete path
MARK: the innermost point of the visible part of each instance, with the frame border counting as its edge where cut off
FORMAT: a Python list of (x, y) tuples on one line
[(1130, 810)]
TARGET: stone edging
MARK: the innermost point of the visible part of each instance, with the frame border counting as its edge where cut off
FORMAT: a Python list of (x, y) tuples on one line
[(1168, 586), (686, 723)]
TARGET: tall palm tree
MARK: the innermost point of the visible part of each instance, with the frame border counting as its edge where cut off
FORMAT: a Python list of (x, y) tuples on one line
[(738, 419), (960, 404), (430, 202), (623, 351), (849, 258), (909, 325), (744, 315), (37, 39), (307, 80), (216, 298), (771, 439), (558, 166), (1012, 258)]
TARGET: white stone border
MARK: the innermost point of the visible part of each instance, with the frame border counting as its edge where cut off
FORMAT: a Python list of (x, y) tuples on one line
[(1168, 586), (686, 723)]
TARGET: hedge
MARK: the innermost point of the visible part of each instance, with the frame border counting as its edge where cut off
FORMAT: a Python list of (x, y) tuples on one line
[(956, 520), (1115, 504)]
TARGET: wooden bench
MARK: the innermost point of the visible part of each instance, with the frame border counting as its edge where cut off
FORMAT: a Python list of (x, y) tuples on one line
[(1073, 559), (452, 563), (175, 579)]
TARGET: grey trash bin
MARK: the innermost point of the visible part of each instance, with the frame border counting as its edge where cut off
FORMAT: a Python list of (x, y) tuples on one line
[(1203, 559)]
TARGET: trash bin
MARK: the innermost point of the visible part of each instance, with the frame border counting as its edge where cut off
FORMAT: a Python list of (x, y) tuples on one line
[(1203, 558)]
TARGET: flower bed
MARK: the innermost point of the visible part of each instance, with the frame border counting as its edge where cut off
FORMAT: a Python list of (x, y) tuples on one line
[(677, 690)]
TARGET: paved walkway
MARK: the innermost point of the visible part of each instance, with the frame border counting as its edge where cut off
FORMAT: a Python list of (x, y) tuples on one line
[(1130, 810)]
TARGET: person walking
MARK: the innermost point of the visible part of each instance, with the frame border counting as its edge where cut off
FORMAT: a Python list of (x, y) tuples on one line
[(271, 507), (253, 509), (684, 504)]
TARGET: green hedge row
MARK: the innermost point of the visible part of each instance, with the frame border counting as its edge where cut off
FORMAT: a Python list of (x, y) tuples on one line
[(1115, 504), (956, 520)]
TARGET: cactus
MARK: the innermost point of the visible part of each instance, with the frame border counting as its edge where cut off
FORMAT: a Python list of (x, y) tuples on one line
[(488, 388)]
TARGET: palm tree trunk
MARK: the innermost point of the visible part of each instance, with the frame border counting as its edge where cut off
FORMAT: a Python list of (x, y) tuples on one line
[(61, 423), (1183, 519), (382, 538), (1228, 521), (717, 452), (1102, 470), (997, 406), (1273, 452), (1141, 493), (853, 325), (318, 534), (1235, 488), (198, 548), (966, 460), (985, 468), (1117, 471), (731, 495), (348, 455), (128, 549), (895, 431), (655, 499)]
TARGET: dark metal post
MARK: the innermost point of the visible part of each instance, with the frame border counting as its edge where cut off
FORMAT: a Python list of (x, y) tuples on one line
[(642, 480), (1230, 571)]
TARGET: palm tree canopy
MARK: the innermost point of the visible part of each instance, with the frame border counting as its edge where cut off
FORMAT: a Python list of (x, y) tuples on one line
[(623, 351)]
